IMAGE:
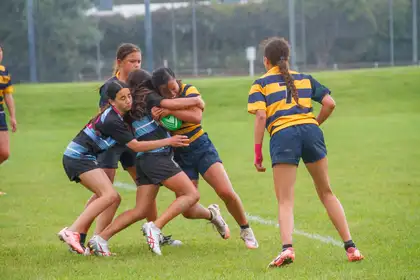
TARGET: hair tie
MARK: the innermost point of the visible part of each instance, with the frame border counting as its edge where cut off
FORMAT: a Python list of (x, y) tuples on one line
[(282, 58)]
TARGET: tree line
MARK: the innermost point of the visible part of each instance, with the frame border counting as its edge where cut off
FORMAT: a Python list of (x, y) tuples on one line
[(328, 32)]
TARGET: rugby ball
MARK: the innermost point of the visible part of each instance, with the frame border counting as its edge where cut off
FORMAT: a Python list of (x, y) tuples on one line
[(171, 123)]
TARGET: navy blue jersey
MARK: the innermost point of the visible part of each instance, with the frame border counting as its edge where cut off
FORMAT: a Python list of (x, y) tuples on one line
[(146, 129), (108, 129)]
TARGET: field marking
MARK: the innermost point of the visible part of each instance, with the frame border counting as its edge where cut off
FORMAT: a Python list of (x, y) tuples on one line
[(125, 186), (315, 236), (260, 220)]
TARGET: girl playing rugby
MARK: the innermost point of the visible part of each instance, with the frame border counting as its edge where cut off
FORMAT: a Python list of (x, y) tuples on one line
[(282, 102)]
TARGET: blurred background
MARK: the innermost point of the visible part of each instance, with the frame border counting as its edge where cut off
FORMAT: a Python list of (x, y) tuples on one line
[(76, 40)]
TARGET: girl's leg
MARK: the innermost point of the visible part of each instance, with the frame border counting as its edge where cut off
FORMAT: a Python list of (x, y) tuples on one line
[(284, 181), (152, 214), (186, 196), (319, 173), (217, 177), (97, 181), (145, 199)]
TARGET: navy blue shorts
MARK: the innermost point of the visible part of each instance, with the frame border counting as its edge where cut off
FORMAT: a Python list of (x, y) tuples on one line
[(197, 157), (3, 123), (123, 154), (304, 141), (76, 167)]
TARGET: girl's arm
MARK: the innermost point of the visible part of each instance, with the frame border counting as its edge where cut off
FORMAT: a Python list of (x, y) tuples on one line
[(259, 127), (10, 103), (328, 106), (182, 103), (144, 146), (192, 115)]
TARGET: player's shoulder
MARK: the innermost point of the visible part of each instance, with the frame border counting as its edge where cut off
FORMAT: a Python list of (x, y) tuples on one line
[(300, 76), (188, 89), (3, 70), (108, 82), (108, 115)]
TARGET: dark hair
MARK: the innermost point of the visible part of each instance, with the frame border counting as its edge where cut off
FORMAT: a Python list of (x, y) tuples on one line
[(113, 88), (140, 83), (161, 77), (123, 51), (277, 51), (111, 92)]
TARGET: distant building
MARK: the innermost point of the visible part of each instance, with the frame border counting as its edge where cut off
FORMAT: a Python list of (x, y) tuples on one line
[(130, 10)]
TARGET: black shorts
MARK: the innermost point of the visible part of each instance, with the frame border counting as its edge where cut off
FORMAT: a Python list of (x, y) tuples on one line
[(154, 168), (3, 123), (76, 167), (123, 154)]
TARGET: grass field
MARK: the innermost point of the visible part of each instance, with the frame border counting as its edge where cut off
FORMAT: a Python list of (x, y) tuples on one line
[(373, 140)]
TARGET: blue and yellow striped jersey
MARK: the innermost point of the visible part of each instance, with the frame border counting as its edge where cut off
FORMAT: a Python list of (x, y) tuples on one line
[(193, 131), (6, 86), (269, 93)]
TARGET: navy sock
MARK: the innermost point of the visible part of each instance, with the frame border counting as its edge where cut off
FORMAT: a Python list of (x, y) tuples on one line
[(285, 246), (245, 226), (83, 238), (349, 244)]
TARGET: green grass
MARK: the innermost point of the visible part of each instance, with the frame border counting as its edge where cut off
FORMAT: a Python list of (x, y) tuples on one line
[(373, 140)]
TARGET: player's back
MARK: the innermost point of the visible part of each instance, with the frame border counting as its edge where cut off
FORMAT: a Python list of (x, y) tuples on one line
[(281, 108)]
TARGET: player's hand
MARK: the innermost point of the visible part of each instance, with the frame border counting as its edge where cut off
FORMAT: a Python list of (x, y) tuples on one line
[(258, 165), (156, 112), (200, 103), (165, 112), (179, 141), (159, 113), (13, 124), (258, 159)]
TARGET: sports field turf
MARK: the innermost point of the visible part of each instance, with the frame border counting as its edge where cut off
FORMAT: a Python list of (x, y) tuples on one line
[(373, 141)]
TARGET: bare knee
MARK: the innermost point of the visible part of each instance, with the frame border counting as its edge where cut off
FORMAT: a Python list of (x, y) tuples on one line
[(325, 193), (117, 200), (227, 195), (194, 196), (112, 197)]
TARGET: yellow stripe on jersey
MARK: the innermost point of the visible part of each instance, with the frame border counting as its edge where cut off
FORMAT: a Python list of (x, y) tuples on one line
[(192, 130), (6, 86), (269, 93)]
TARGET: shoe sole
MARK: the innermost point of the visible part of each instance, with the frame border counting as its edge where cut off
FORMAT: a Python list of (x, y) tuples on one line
[(92, 251), (356, 260), (285, 262), (251, 247)]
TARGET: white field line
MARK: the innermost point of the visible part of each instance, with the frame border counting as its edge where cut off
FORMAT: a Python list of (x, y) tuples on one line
[(315, 236), (260, 220)]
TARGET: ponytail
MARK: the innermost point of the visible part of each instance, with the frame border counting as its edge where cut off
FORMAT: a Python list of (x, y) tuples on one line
[(92, 121), (290, 84), (115, 69)]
